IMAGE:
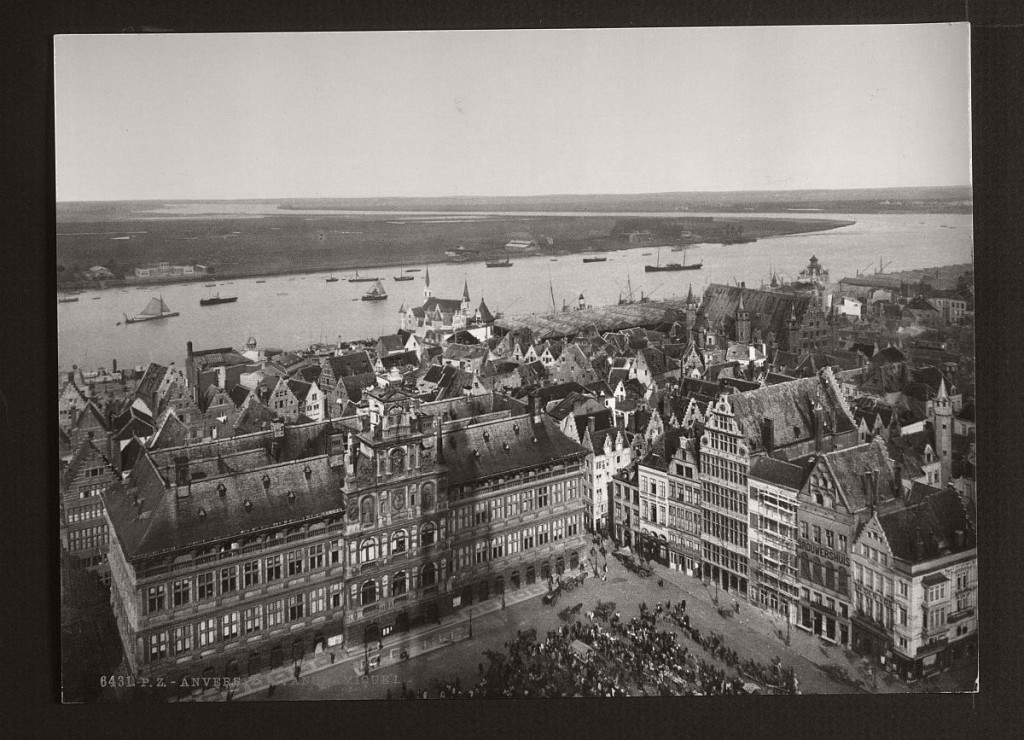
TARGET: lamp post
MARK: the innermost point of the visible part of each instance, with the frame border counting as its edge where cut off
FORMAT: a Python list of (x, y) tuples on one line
[(787, 622), (470, 624)]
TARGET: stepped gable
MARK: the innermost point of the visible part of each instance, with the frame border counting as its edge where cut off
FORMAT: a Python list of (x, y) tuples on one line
[(928, 529), (769, 311), (505, 446)]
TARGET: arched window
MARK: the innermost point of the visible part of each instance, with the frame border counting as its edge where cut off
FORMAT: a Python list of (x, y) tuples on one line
[(427, 534), (428, 576), (368, 593), (400, 583), (368, 550), (397, 460), (366, 509), (427, 496), (399, 541)]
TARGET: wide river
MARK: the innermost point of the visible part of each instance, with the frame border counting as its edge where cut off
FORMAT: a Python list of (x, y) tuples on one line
[(291, 312)]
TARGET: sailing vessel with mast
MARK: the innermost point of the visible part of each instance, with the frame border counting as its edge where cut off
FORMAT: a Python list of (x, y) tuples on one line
[(672, 266), (155, 309), (402, 276), (358, 279), (376, 293)]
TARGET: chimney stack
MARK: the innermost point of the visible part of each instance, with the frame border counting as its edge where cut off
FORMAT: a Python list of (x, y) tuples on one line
[(897, 482), (536, 408), (113, 364), (819, 427), (768, 435)]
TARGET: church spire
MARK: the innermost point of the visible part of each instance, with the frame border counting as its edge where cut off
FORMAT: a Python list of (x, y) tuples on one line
[(465, 291), (426, 285)]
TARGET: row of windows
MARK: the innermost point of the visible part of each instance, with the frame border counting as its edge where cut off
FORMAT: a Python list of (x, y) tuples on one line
[(652, 513), (873, 581), (684, 493), (725, 528), (230, 578), (520, 540), (88, 538), (684, 519), (725, 558), (514, 504), (370, 549), (765, 524), (828, 603), (725, 498), (84, 513), (716, 467), (243, 623), (828, 576), (831, 539), (373, 590)]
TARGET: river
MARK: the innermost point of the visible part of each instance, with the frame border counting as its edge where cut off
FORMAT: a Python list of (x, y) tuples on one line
[(291, 312)]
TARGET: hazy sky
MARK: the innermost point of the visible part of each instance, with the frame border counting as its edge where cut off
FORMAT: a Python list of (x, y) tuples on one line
[(511, 112)]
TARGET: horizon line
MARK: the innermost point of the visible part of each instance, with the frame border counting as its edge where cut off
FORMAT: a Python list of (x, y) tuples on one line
[(968, 186)]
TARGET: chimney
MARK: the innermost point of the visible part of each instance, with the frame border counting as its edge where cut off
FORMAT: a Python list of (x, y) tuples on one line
[(874, 486), (113, 364), (960, 539), (535, 403), (768, 435), (918, 547), (590, 426), (865, 482), (188, 349), (181, 476), (439, 443), (819, 427)]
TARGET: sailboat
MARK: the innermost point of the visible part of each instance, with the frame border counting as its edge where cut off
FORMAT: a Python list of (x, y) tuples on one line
[(402, 276), (155, 309), (217, 300), (331, 279), (376, 293), (358, 279)]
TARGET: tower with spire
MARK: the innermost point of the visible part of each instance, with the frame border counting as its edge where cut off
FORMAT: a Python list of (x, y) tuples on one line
[(942, 424), (742, 323), (691, 307), (465, 296)]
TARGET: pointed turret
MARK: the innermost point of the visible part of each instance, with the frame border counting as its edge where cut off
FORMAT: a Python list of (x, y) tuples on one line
[(426, 284), (484, 313), (465, 291)]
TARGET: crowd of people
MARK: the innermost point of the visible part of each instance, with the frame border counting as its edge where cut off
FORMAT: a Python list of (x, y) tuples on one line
[(599, 654)]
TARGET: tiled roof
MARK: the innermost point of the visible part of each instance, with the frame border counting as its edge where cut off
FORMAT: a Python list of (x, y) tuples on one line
[(768, 310), (464, 352), (791, 407), (447, 305), (470, 455), (928, 529), (150, 381), (165, 522), (778, 472), (238, 394), (224, 356), (849, 467), (351, 363)]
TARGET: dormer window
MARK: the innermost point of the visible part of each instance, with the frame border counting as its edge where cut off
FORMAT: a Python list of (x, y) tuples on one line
[(247, 505), (202, 513), (266, 482), (291, 497), (222, 490)]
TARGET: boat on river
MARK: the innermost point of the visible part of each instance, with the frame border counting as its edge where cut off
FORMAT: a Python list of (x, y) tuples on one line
[(358, 279), (499, 262), (155, 309), (587, 260), (376, 293), (217, 300), (672, 266), (402, 276)]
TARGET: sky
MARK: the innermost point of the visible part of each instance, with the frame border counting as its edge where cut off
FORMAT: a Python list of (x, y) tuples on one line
[(221, 116)]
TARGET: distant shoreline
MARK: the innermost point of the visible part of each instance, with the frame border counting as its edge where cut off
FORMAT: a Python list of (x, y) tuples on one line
[(340, 263)]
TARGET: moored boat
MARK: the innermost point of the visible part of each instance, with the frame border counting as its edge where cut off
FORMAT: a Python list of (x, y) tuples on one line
[(594, 259), (358, 279), (216, 300), (402, 276), (499, 262)]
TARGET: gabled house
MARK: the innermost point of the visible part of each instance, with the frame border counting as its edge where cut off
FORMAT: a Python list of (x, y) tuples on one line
[(915, 583)]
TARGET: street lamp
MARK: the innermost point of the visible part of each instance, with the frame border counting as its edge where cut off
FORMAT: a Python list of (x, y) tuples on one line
[(787, 621), (470, 624)]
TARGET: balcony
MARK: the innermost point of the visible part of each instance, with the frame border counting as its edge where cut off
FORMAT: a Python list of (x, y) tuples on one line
[(962, 614)]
